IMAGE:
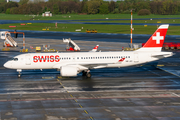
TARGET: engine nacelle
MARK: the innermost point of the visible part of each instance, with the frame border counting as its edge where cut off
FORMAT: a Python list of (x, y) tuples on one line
[(68, 71)]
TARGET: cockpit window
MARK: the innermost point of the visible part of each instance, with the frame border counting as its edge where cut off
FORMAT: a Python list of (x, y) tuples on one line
[(14, 59)]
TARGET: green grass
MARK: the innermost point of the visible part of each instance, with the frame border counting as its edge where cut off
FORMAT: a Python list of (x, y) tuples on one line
[(138, 29), (14, 17), (125, 29), (81, 17)]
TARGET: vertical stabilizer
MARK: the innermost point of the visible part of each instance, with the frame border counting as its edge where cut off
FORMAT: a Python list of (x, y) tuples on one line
[(94, 49), (156, 41)]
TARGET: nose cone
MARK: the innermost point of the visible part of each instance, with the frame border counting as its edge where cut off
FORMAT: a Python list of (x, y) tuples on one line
[(7, 65)]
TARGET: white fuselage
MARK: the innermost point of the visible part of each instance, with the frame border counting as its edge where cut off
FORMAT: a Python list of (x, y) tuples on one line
[(89, 60)]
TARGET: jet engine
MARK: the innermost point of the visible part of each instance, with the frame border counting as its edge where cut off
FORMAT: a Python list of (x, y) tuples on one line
[(68, 71)]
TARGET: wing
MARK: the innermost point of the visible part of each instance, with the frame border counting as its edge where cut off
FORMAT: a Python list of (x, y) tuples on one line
[(86, 65)]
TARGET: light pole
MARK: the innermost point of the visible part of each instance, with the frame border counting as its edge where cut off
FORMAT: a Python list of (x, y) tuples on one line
[(131, 29)]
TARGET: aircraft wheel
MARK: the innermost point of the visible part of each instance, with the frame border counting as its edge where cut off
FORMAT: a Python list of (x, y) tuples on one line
[(84, 73), (19, 76), (88, 74)]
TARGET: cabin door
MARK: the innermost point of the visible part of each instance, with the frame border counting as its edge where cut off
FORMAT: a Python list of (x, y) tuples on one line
[(136, 57), (28, 60)]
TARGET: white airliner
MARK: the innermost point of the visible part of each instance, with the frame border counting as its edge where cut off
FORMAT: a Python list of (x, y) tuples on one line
[(72, 63)]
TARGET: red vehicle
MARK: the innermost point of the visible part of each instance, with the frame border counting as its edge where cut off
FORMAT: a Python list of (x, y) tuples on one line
[(178, 46), (70, 49), (169, 45)]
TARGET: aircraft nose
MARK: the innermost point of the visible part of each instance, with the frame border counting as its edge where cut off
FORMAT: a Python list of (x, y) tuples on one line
[(7, 65)]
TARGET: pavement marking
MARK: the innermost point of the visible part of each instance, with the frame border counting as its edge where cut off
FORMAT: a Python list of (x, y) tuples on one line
[(161, 75), (91, 118), (168, 72), (80, 106), (59, 76), (9, 99), (160, 65), (85, 111), (74, 99), (176, 94)]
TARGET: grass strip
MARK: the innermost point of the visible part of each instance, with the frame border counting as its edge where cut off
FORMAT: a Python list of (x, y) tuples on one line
[(121, 29)]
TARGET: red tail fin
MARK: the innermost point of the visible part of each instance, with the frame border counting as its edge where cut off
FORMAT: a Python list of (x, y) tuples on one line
[(156, 41), (95, 48)]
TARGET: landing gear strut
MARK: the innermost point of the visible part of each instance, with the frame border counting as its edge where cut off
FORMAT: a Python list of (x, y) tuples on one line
[(19, 71), (86, 73)]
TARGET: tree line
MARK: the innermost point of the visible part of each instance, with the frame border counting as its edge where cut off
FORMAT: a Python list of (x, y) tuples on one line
[(161, 7)]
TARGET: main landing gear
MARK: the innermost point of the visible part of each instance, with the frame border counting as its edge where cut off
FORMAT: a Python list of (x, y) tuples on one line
[(19, 71), (86, 73)]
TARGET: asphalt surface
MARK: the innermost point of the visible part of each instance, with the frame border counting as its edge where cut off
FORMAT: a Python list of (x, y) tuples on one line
[(86, 21), (132, 93), (100, 37), (145, 92)]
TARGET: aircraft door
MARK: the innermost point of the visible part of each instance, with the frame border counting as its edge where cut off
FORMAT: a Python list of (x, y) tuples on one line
[(28, 60), (136, 57)]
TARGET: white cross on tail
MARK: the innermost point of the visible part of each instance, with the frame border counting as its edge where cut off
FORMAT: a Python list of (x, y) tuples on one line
[(157, 38)]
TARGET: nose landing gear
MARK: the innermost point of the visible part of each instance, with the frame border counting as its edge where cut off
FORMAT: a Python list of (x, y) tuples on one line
[(19, 71)]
